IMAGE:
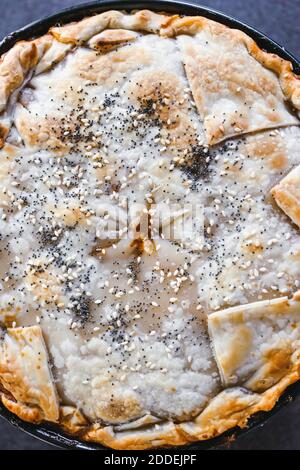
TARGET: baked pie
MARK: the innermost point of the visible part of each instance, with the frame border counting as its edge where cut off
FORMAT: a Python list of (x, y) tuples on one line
[(137, 338)]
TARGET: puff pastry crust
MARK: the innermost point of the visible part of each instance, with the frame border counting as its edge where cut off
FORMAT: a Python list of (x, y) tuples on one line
[(256, 99), (25, 373), (287, 195), (256, 344), (109, 327)]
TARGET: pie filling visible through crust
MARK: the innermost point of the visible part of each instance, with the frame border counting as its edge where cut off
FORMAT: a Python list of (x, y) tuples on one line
[(130, 338)]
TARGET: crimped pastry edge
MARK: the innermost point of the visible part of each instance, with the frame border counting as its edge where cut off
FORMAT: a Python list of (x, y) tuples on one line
[(75, 424), (32, 55), (232, 407)]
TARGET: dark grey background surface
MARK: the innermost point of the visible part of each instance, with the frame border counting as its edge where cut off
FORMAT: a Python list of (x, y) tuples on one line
[(278, 19)]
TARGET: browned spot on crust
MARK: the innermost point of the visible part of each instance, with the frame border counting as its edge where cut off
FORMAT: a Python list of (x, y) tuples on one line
[(277, 365), (102, 245), (142, 245), (111, 67), (270, 148), (253, 248), (163, 90), (3, 134), (8, 316), (119, 410)]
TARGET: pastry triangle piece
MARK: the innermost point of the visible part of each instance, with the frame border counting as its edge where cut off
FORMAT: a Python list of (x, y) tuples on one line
[(256, 344), (234, 90), (287, 195), (25, 372)]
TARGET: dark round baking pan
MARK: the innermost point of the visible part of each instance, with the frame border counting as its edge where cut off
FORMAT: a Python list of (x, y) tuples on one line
[(47, 432)]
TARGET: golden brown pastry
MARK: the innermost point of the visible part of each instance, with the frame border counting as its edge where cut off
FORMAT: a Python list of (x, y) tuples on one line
[(149, 282), (287, 195)]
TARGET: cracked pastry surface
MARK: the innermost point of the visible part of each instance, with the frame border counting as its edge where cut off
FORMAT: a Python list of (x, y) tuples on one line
[(109, 129)]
